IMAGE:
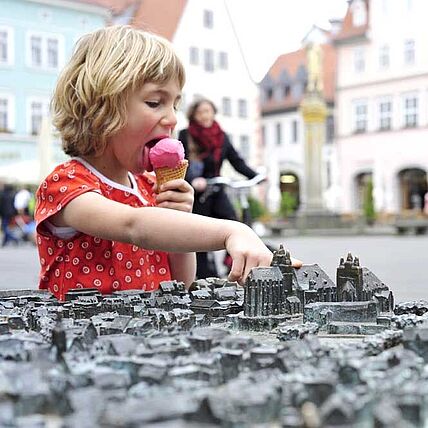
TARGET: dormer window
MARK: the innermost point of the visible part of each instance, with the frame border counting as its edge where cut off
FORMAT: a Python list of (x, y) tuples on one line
[(287, 90), (269, 93), (359, 13)]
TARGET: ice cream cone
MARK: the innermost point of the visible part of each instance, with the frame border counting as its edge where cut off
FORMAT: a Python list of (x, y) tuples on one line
[(165, 174)]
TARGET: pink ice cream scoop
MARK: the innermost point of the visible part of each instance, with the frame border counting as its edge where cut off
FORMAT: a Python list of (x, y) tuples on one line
[(167, 152)]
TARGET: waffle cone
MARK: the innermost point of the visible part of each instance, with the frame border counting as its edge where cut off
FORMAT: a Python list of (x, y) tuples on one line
[(166, 174)]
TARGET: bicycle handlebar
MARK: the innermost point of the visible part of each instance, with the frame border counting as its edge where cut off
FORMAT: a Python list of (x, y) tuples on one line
[(234, 184)]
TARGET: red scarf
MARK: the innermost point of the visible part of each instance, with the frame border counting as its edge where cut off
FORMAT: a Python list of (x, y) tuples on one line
[(210, 140)]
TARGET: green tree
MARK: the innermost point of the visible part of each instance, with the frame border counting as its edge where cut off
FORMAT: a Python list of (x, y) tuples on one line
[(288, 204), (257, 209), (368, 203)]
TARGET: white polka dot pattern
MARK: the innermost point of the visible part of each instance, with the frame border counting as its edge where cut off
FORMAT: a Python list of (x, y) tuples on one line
[(85, 261)]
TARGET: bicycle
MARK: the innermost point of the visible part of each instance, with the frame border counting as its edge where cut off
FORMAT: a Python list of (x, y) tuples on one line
[(240, 190)]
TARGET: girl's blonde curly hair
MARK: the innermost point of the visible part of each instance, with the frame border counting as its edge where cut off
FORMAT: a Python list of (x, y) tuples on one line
[(89, 102)]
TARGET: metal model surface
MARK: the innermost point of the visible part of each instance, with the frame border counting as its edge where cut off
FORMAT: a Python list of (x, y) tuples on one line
[(292, 349)]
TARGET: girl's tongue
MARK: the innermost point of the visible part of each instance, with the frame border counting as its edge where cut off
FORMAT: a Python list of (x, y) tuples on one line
[(146, 164)]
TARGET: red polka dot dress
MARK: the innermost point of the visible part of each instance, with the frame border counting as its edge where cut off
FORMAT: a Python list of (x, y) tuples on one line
[(71, 259)]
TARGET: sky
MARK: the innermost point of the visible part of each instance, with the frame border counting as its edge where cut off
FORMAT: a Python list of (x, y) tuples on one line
[(270, 28)]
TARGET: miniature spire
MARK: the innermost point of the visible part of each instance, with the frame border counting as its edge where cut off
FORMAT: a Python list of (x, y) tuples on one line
[(356, 261), (349, 258), (342, 261), (288, 258)]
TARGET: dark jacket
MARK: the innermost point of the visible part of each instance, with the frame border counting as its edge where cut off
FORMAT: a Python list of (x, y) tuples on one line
[(209, 164), (7, 197)]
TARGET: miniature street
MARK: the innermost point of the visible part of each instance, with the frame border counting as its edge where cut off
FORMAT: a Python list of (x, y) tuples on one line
[(397, 261)]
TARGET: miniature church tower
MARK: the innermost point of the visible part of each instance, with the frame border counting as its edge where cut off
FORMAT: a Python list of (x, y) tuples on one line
[(282, 259), (349, 280)]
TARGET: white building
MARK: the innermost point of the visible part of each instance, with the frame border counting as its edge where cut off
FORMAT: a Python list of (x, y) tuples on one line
[(203, 36), (281, 92), (382, 104)]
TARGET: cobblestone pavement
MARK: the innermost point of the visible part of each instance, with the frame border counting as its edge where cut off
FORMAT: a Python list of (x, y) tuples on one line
[(401, 262)]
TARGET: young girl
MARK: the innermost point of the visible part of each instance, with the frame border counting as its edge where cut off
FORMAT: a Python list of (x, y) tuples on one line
[(99, 222)]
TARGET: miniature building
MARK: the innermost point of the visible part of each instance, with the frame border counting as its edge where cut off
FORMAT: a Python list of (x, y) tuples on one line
[(264, 293)]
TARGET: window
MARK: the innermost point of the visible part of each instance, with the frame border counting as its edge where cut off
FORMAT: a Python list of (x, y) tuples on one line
[(294, 131), (223, 60), (52, 53), (287, 91), (193, 55), (208, 19), (37, 109), (409, 52), (45, 51), (385, 115), (242, 108), (359, 60), (208, 60), (6, 46), (269, 93), (36, 51), (6, 113), (384, 57), (278, 133), (410, 111), (226, 105), (244, 146), (360, 117)]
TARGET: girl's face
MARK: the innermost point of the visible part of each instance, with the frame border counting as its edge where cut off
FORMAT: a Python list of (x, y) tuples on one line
[(204, 114), (151, 116)]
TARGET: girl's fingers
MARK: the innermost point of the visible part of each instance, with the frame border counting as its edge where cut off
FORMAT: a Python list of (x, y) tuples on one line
[(238, 266)]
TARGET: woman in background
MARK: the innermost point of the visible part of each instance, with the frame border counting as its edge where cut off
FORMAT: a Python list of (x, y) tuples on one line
[(207, 146)]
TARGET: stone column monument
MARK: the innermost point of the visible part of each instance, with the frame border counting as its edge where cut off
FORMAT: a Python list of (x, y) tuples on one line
[(314, 111)]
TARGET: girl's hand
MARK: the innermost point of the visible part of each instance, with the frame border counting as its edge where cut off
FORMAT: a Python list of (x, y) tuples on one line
[(176, 195), (248, 251)]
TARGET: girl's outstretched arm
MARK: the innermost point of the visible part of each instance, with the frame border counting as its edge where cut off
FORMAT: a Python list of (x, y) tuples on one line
[(165, 229)]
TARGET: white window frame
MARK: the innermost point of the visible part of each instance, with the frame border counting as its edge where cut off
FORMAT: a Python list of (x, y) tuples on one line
[(194, 55), (359, 117), (242, 108), (10, 126), (226, 106), (44, 50), (412, 111), (359, 59), (208, 19), (409, 55), (209, 60), (245, 147), (10, 60), (385, 115), (384, 57), (278, 133), (223, 60), (44, 101), (294, 131)]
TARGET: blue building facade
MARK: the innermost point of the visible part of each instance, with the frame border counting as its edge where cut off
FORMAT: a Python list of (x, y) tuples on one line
[(36, 39)]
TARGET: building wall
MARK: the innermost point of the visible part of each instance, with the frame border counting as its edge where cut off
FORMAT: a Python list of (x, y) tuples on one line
[(383, 152), (233, 82), (20, 82)]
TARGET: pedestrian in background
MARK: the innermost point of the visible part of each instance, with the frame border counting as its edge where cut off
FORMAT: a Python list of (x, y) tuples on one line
[(7, 213), (207, 146)]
